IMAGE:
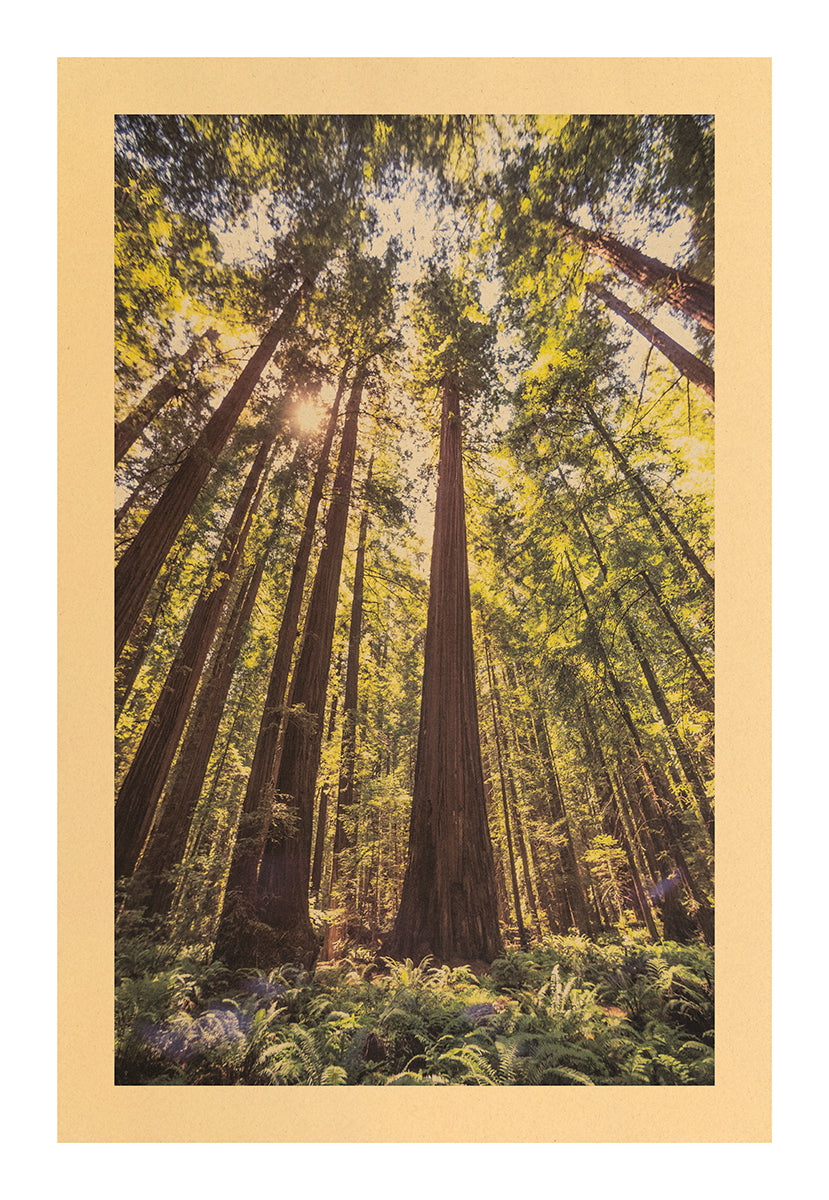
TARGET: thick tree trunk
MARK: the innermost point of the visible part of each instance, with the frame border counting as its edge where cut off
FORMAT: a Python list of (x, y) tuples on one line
[(136, 421), (348, 746), (142, 560), (685, 362), (143, 783), (692, 297), (648, 501), (271, 924), (448, 908), (132, 661), (259, 793)]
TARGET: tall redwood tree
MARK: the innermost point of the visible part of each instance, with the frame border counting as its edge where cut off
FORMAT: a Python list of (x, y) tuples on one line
[(448, 907)]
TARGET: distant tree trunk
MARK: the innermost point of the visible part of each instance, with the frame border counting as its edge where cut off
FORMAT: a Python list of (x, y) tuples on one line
[(142, 560), (448, 907), (685, 362), (687, 295), (611, 816), (137, 420), (143, 783), (259, 793), (647, 499), (573, 884), (658, 808), (322, 807), (273, 925), (683, 641), (348, 749), (496, 733), (657, 694)]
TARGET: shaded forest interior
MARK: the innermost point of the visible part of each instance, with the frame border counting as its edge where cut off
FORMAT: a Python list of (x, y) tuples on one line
[(414, 598)]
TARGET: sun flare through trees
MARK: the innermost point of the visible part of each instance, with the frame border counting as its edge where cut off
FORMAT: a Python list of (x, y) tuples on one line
[(414, 603)]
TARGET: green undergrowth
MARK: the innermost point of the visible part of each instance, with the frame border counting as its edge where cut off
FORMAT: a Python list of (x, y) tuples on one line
[(570, 1011)]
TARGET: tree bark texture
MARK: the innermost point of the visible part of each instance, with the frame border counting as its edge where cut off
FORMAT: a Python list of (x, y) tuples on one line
[(143, 783), (259, 792), (692, 297), (136, 421), (273, 924), (448, 907), (142, 560)]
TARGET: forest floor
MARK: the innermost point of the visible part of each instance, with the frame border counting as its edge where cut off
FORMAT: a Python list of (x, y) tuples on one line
[(620, 1010)]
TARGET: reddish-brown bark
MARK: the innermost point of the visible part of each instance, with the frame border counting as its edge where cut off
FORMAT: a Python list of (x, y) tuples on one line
[(168, 838), (142, 560), (143, 783), (685, 362), (253, 824), (448, 906), (272, 925), (690, 296)]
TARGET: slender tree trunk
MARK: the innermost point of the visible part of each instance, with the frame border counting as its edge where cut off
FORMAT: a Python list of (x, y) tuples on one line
[(273, 924), (322, 807), (448, 907), (573, 885), (680, 749), (240, 892), (142, 560), (612, 817), (348, 750), (680, 637), (143, 783), (647, 499), (651, 790), (687, 295), (685, 362), (136, 421), (496, 733)]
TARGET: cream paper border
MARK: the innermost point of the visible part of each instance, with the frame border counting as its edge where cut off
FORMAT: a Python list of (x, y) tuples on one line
[(738, 1107)]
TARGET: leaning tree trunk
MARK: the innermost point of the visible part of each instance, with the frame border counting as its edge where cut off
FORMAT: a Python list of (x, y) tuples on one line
[(137, 420), (258, 801), (448, 907), (145, 779), (685, 362), (690, 296), (708, 701), (681, 750), (272, 924), (168, 840), (142, 560), (647, 500)]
